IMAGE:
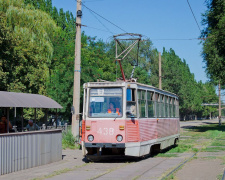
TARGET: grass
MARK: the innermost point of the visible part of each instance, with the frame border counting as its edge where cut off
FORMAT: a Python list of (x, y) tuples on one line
[(207, 138), (68, 140), (218, 143), (55, 173), (167, 155), (209, 157), (223, 158), (200, 139), (219, 177), (213, 149)]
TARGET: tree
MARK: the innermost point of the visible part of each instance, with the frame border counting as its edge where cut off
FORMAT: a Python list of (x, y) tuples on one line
[(97, 62), (214, 44), (26, 35), (208, 95)]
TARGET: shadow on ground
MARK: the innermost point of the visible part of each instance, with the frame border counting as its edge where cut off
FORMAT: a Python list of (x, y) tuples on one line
[(208, 127), (123, 159)]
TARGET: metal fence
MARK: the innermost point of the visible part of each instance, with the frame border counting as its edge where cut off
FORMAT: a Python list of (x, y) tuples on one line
[(64, 127), (25, 150)]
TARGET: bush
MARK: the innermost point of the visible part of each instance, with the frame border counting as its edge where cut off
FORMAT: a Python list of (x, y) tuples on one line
[(68, 140)]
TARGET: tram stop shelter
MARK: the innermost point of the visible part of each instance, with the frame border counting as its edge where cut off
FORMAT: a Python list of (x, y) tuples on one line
[(23, 150)]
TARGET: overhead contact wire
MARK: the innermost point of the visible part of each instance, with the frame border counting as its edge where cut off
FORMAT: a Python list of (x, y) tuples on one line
[(103, 18), (101, 22), (194, 16)]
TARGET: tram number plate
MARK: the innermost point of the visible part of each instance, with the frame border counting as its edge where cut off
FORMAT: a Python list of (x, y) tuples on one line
[(106, 131)]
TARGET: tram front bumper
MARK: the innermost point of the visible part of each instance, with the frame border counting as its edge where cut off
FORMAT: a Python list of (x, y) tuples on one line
[(104, 145)]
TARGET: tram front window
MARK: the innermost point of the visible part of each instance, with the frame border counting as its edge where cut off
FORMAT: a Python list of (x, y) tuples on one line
[(105, 102)]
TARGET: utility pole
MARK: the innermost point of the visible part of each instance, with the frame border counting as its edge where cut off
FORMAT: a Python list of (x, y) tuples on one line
[(160, 74), (77, 70), (219, 105)]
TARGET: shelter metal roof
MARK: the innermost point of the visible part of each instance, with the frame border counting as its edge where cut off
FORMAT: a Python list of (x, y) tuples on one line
[(12, 99)]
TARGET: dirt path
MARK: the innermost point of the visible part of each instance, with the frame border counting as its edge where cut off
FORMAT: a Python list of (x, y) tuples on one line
[(201, 169), (205, 165)]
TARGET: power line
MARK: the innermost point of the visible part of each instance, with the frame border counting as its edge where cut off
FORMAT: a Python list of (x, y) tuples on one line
[(103, 17), (93, 12), (99, 29), (194, 16), (100, 22), (190, 39), (93, 0)]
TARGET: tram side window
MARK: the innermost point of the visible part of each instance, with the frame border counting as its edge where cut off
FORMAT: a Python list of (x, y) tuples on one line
[(177, 107), (157, 104), (162, 106), (142, 103), (166, 106), (131, 109), (150, 101), (174, 108), (171, 107)]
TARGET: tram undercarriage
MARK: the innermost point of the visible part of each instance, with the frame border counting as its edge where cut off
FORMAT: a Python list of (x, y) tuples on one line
[(94, 151), (105, 149)]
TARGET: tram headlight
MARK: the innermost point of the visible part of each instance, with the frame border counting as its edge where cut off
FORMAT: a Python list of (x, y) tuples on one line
[(119, 138), (90, 138)]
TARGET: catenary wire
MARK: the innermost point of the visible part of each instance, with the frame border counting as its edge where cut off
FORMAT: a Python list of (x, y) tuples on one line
[(188, 39), (99, 29), (102, 17), (93, 12), (92, 1), (194, 16), (100, 22)]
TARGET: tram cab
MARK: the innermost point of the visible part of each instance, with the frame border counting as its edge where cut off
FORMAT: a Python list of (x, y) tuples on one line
[(122, 118)]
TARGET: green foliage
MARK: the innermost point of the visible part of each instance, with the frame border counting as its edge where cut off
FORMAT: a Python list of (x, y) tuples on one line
[(207, 138), (26, 35), (214, 34), (68, 140), (177, 78), (37, 56)]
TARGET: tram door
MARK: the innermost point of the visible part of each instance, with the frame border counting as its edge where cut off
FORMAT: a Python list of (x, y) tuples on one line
[(131, 109)]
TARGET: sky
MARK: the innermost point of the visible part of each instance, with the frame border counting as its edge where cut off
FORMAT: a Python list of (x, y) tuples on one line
[(167, 23)]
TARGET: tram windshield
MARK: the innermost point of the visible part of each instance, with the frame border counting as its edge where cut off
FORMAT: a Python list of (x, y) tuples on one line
[(105, 102)]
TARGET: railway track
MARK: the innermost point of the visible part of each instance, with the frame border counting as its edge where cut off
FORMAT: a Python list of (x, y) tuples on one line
[(178, 167), (146, 168)]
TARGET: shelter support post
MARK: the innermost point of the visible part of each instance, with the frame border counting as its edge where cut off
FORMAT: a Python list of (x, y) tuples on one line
[(7, 119), (56, 118), (46, 119), (14, 116), (35, 117), (22, 119)]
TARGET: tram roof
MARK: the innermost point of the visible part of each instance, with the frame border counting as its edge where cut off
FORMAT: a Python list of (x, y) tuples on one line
[(13, 99), (122, 83)]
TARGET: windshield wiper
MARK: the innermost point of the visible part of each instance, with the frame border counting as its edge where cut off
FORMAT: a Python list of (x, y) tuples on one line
[(116, 116)]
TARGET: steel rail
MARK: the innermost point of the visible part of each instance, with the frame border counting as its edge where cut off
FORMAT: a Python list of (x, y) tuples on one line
[(223, 178), (179, 166)]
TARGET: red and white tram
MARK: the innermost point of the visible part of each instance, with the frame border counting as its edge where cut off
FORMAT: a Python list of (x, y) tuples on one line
[(128, 118)]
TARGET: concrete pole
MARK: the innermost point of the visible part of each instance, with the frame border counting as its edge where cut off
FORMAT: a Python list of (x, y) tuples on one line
[(160, 75), (219, 105), (77, 69)]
